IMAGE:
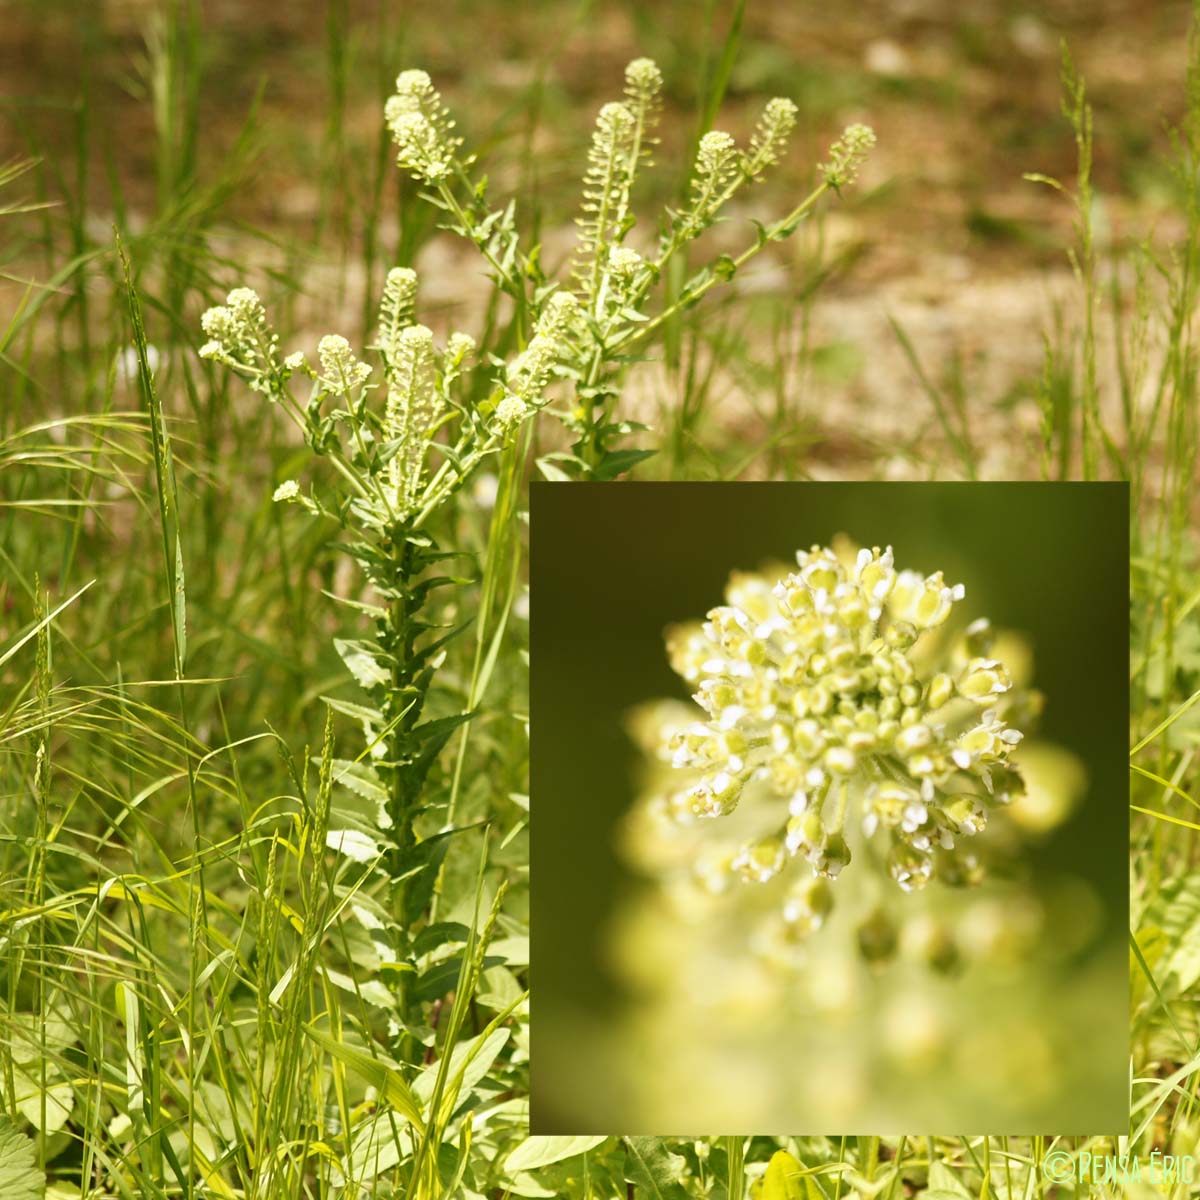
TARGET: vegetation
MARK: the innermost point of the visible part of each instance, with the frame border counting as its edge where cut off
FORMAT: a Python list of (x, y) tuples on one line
[(265, 926)]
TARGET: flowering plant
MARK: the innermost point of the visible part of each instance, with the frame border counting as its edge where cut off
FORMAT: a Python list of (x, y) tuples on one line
[(585, 330), (826, 693)]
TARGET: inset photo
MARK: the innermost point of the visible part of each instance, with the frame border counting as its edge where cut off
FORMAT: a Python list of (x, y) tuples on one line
[(832, 811)]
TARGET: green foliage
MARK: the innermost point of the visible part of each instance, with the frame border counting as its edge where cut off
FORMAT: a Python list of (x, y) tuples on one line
[(19, 1177)]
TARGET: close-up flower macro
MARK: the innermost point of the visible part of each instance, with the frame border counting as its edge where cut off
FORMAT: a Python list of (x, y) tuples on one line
[(853, 861)]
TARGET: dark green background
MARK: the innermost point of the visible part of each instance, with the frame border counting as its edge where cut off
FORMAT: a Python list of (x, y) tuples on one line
[(612, 566)]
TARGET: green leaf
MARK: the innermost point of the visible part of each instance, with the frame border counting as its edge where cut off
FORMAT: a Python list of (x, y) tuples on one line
[(654, 1170), (537, 1151), (420, 865), (19, 1177), (432, 738), (439, 980), (371, 990), (945, 1185), (523, 1183), (380, 1073), (378, 1146), (439, 934), (354, 844), (359, 658), (59, 1099), (1181, 924), (371, 717), (469, 1062), (360, 778), (617, 462), (784, 1179)]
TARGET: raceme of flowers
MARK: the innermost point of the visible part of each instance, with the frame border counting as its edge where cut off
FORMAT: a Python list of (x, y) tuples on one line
[(833, 694), (388, 443), (610, 282)]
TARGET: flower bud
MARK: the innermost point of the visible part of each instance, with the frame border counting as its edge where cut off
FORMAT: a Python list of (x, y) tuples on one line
[(760, 861), (966, 814), (941, 688), (983, 679), (910, 868)]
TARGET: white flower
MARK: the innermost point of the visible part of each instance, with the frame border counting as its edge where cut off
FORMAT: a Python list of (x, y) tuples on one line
[(511, 410), (715, 152), (459, 346), (847, 155), (643, 77), (289, 489), (487, 487), (340, 370)]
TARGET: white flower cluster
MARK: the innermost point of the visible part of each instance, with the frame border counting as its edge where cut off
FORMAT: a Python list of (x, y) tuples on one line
[(828, 689), (771, 135), (397, 305), (718, 166), (240, 337), (529, 373), (421, 127), (643, 84), (413, 404), (341, 372), (417, 378), (847, 155)]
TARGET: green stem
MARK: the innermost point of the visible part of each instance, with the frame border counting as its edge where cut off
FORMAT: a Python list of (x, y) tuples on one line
[(589, 450)]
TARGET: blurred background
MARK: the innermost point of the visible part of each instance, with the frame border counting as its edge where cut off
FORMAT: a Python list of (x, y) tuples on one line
[(222, 134), (611, 568)]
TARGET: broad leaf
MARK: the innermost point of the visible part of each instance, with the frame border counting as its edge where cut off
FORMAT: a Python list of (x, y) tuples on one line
[(379, 1072), (654, 1170), (784, 1179), (360, 661), (537, 1151), (19, 1177)]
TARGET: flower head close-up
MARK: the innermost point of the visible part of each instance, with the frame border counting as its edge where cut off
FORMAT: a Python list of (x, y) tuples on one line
[(830, 696)]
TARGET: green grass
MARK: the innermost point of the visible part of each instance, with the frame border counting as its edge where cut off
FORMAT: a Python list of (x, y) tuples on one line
[(194, 1000)]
